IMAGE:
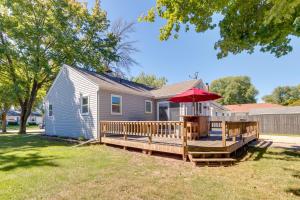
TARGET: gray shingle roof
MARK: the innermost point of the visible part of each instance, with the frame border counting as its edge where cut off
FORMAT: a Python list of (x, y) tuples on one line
[(171, 90), (111, 83), (108, 82), (279, 110)]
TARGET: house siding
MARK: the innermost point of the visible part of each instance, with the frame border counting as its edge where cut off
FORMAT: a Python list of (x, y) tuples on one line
[(65, 96), (133, 107)]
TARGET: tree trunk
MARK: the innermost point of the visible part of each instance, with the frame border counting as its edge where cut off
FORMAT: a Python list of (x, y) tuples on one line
[(3, 118), (23, 120), (26, 107)]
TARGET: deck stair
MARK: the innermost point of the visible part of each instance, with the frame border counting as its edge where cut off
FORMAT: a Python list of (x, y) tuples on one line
[(211, 158)]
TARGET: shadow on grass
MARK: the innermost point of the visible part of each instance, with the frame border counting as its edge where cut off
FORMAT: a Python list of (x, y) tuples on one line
[(25, 151), (260, 150), (12, 142), (10, 162), (257, 152), (295, 174)]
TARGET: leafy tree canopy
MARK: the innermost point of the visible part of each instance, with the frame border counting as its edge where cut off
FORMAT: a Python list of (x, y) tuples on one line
[(38, 36), (284, 95), (234, 90), (243, 24), (150, 80)]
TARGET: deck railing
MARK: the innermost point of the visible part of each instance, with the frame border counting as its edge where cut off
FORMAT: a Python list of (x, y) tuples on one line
[(168, 129), (236, 129), (149, 129)]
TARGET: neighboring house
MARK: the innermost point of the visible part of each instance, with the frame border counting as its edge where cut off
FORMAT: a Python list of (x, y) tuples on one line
[(13, 117), (218, 110), (79, 99), (245, 109), (284, 110)]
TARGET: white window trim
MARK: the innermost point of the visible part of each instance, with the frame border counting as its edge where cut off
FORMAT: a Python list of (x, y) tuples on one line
[(49, 110), (151, 103), (121, 105), (81, 100)]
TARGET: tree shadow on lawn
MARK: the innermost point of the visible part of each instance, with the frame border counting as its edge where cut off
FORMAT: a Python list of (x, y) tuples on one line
[(261, 151), (10, 162), (15, 142), (13, 152), (295, 174)]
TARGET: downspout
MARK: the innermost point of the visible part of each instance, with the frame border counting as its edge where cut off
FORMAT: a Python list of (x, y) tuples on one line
[(98, 116)]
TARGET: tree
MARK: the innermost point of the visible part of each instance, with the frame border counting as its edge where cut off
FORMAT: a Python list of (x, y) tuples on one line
[(234, 90), (38, 36), (295, 103), (7, 99), (284, 95), (124, 48), (243, 24), (150, 80)]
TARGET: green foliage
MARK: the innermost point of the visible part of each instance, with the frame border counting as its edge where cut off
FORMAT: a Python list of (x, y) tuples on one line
[(243, 24), (295, 103), (81, 138), (150, 80), (7, 95), (38, 36), (284, 95), (234, 90)]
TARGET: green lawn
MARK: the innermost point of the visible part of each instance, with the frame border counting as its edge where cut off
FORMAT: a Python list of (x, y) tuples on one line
[(35, 168), (16, 127)]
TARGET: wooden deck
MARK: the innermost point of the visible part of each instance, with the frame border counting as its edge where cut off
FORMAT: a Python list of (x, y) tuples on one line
[(174, 146), (173, 138)]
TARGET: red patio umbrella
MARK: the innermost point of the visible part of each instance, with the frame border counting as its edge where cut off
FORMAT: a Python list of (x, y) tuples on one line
[(194, 95)]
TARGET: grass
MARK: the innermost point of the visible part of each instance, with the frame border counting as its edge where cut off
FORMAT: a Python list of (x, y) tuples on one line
[(16, 127), (35, 168)]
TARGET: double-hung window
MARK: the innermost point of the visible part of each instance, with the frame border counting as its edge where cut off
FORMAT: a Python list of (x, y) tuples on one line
[(148, 106), (50, 110), (116, 104), (84, 105)]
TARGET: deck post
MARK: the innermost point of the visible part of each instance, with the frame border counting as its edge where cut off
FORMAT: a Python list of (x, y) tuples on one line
[(125, 132), (223, 133), (99, 132), (257, 129), (184, 141)]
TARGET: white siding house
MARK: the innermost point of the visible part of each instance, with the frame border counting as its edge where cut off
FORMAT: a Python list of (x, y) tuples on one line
[(65, 117), (79, 99)]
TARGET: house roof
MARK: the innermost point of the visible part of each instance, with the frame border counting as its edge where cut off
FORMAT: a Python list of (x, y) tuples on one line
[(108, 82), (171, 90), (111, 83), (276, 110), (248, 107)]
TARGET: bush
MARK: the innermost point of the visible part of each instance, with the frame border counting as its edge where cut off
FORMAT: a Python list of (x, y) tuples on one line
[(81, 138), (13, 123)]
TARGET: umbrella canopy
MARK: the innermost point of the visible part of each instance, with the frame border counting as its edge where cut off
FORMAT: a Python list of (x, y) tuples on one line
[(194, 95)]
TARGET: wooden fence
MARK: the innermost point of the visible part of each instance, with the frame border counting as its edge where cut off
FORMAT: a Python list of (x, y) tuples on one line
[(270, 123)]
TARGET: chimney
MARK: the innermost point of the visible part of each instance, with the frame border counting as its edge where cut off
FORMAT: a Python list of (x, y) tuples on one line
[(207, 86)]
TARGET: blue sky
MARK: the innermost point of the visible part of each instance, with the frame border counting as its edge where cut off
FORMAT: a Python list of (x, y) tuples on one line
[(194, 52)]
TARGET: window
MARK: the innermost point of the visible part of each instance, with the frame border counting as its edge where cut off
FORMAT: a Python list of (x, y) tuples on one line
[(148, 106), (85, 105), (50, 110), (116, 104)]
